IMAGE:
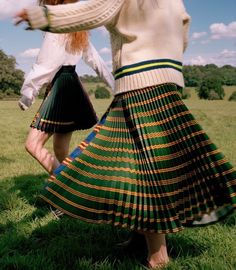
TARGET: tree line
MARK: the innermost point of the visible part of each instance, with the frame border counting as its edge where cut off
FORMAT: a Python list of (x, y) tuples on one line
[(11, 78)]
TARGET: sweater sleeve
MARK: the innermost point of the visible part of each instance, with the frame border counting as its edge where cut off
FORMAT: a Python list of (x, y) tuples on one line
[(49, 61), (74, 17), (93, 59), (186, 25)]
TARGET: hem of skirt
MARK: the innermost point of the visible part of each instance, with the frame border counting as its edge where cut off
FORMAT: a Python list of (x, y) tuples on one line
[(62, 130), (126, 226), (121, 225)]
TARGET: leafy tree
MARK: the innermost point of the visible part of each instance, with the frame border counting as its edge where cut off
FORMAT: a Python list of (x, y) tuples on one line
[(211, 88), (101, 92), (90, 78), (195, 74), (11, 78)]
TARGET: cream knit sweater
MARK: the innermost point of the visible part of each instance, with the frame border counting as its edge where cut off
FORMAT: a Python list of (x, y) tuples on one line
[(148, 37)]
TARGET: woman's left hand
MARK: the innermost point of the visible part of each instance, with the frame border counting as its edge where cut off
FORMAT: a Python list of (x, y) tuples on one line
[(20, 17)]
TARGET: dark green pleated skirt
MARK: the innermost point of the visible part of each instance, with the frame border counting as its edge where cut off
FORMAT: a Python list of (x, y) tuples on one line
[(148, 166), (66, 106)]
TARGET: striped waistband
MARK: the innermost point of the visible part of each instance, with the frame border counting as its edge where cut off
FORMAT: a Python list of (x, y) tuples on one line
[(147, 65)]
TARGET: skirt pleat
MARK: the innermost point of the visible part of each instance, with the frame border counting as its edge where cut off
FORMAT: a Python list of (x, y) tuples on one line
[(66, 106), (147, 165)]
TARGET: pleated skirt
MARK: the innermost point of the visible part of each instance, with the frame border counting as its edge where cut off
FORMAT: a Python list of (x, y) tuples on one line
[(66, 106), (148, 166)]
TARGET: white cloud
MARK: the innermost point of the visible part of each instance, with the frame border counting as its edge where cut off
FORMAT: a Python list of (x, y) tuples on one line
[(228, 54), (29, 53), (198, 35), (205, 41), (220, 30), (8, 8), (105, 50), (225, 57), (199, 60)]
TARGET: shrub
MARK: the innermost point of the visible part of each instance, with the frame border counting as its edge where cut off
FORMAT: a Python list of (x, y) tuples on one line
[(101, 92), (211, 88), (233, 96), (213, 96)]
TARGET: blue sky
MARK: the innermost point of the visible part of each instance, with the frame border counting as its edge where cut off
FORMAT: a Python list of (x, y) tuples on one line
[(212, 35)]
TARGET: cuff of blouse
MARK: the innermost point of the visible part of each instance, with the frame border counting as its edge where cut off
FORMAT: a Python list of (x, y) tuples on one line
[(38, 18)]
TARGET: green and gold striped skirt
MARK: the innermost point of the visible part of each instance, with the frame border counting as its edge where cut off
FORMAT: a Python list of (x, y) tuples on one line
[(148, 166), (66, 106)]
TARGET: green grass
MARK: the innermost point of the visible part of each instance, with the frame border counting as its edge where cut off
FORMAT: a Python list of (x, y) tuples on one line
[(31, 238)]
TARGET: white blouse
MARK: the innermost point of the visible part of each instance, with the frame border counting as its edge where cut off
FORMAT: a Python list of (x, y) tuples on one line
[(52, 56)]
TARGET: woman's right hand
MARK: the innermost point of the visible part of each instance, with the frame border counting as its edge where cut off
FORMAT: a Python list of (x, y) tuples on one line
[(24, 103), (21, 16)]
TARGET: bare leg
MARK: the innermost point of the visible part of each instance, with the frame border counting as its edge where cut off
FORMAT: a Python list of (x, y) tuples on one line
[(61, 143), (35, 146), (157, 251)]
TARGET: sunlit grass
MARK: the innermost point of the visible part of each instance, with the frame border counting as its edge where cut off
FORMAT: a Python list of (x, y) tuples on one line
[(31, 238)]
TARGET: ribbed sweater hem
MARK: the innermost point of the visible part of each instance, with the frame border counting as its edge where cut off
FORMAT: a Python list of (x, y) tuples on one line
[(148, 78)]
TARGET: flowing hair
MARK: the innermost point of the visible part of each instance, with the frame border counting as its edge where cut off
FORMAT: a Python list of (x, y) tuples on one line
[(75, 41)]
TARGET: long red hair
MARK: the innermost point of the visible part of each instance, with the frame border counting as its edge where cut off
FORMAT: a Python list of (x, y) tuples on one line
[(75, 41)]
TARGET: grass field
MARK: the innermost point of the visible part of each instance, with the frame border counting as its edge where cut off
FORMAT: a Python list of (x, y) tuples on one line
[(32, 239)]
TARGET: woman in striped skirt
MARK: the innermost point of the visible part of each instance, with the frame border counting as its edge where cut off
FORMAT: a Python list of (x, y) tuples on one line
[(148, 165), (66, 106)]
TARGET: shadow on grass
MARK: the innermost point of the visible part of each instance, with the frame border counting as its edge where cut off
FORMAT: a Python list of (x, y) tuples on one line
[(32, 239), (29, 186), (182, 246), (230, 220)]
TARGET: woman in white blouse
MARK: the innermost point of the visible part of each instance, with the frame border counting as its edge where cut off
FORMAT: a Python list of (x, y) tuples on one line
[(66, 107)]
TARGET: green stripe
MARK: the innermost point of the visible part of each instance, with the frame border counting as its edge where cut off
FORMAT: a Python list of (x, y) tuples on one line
[(165, 196)]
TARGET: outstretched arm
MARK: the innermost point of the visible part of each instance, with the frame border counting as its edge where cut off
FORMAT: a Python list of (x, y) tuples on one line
[(71, 17), (93, 59)]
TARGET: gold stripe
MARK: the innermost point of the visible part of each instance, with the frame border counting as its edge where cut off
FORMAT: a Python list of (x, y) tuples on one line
[(136, 172), (110, 212), (232, 182), (153, 112), (112, 201), (146, 66), (166, 120), (152, 159), (169, 181), (56, 123), (146, 90), (145, 102), (126, 205), (147, 148), (122, 225), (127, 180), (153, 134), (162, 133)]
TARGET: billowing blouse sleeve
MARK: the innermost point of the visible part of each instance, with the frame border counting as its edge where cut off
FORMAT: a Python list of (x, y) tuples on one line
[(73, 17), (93, 59), (50, 58)]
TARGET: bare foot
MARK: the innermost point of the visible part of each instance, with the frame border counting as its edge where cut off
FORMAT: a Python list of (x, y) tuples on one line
[(151, 264), (157, 251)]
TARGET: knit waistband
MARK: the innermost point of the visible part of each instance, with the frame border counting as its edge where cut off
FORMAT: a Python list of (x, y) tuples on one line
[(146, 66)]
